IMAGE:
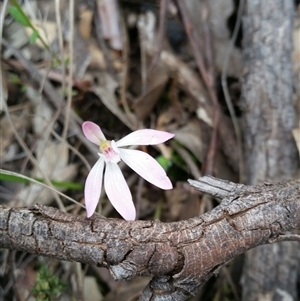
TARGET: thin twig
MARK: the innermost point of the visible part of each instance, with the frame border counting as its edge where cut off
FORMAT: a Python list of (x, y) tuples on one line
[(188, 160), (71, 66), (285, 237), (45, 132), (11, 173), (101, 42), (61, 44), (125, 70), (211, 86), (144, 74), (21, 141), (2, 17), (208, 78), (30, 156), (52, 95), (161, 34), (227, 95), (73, 149)]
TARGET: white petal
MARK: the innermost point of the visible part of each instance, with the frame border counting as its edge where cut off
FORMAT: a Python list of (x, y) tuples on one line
[(93, 185), (146, 167), (118, 192), (93, 132), (145, 137)]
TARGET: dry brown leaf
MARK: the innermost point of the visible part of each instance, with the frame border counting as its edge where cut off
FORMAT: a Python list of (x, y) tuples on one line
[(189, 82), (4, 89), (219, 13), (53, 157), (54, 163), (16, 36), (183, 202), (106, 92), (82, 56), (145, 103), (8, 146), (171, 119), (296, 134), (110, 21), (127, 290), (190, 136), (91, 289), (192, 166), (296, 67), (296, 42), (156, 80), (202, 115), (25, 279), (97, 57), (296, 61), (47, 31), (85, 22)]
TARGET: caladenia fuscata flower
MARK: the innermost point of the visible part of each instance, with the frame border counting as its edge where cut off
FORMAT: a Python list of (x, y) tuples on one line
[(112, 152)]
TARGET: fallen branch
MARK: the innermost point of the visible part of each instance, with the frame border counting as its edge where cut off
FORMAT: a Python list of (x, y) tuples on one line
[(180, 256)]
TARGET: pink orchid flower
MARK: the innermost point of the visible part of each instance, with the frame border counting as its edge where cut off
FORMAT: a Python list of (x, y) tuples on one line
[(110, 153)]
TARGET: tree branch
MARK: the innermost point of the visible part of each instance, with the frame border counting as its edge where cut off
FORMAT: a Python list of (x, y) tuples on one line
[(181, 255)]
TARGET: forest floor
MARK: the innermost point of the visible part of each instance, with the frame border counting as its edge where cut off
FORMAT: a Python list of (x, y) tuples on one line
[(174, 68)]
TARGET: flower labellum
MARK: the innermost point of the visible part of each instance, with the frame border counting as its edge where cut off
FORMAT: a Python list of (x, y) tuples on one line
[(110, 153)]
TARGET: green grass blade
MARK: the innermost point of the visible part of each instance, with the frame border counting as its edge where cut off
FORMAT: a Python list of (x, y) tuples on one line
[(61, 184), (17, 13)]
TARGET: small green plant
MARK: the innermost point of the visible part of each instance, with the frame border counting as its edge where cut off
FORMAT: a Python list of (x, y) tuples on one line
[(164, 162), (15, 79), (47, 286), (19, 16)]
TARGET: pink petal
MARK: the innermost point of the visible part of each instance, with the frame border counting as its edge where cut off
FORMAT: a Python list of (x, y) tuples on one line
[(146, 167), (92, 132), (93, 185), (145, 137), (118, 192)]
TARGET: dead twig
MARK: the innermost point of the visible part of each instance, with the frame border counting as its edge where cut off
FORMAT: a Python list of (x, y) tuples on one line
[(248, 216), (52, 95), (161, 34), (207, 74), (227, 95)]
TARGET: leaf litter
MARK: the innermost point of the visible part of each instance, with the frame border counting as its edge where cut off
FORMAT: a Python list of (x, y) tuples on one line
[(115, 84)]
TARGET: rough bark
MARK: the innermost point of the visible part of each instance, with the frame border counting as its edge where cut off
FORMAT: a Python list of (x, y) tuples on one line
[(180, 256), (267, 87), (271, 154)]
